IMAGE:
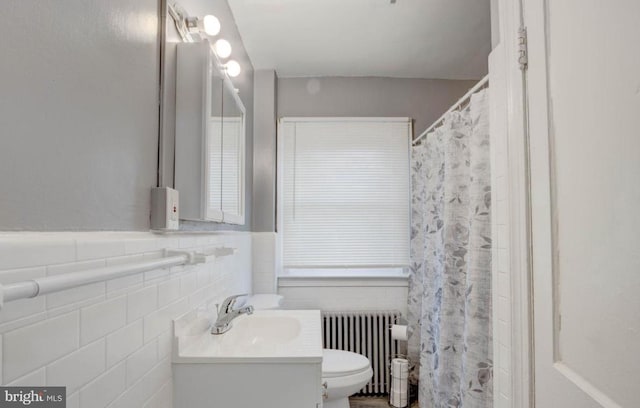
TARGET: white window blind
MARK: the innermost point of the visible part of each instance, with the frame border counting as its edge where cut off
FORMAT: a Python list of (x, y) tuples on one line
[(224, 169), (344, 192), (231, 164), (214, 168)]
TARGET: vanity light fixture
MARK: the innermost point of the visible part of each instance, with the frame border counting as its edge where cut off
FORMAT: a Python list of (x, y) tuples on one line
[(233, 68), (211, 24), (194, 29), (222, 48)]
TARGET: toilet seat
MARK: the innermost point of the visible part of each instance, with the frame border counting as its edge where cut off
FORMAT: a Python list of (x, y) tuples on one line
[(340, 363)]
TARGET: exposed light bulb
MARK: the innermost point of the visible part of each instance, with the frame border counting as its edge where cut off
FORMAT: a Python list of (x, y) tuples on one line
[(211, 24), (233, 68), (222, 48)]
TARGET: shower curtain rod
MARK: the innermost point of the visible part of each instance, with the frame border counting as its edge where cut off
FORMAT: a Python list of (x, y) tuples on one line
[(466, 96), (50, 284)]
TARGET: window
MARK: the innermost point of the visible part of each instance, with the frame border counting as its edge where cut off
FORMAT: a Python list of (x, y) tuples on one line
[(343, 195)]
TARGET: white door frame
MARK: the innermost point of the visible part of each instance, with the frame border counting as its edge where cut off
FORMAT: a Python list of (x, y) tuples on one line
[(522, 374)]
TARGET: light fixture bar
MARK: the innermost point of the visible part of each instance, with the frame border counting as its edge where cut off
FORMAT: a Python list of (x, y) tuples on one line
[(194, 29)]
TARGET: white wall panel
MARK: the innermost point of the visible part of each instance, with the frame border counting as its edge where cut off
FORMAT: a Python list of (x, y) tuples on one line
[(94, 343)]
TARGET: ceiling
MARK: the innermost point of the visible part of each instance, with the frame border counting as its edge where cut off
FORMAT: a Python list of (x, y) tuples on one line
[(447, 39)]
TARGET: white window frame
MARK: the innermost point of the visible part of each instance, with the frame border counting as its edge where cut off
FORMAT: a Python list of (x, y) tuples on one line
[(336, 273)]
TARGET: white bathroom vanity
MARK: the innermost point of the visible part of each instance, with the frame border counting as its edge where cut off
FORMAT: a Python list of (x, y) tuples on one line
[(270, 359)]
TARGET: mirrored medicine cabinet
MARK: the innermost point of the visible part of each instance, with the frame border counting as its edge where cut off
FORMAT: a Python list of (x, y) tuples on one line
[(210, 138)]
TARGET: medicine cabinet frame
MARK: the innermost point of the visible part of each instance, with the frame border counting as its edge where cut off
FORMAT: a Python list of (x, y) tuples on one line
[(202, 88)]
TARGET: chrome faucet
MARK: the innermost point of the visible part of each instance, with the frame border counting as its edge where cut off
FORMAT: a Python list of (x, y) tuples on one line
[(227, 313)]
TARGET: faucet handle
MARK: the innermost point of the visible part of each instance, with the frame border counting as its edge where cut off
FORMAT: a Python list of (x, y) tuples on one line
[(230, 301)]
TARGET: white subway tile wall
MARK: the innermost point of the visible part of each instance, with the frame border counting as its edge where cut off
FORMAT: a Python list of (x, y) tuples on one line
[(38, 344), (77, 368), (109, 343), (103, 389), (101, 319), (22, 308), (501, 283), (124, 342)]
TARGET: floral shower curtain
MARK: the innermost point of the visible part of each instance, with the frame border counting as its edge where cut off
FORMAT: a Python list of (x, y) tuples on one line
[(450, 281)]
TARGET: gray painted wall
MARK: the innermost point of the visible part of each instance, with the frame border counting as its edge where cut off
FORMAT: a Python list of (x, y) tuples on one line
[(244, 83), (264, 158), (495, 23), (424, 100), (78, 114)]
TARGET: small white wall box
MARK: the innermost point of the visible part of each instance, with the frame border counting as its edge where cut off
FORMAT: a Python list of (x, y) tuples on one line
[(165, 209)]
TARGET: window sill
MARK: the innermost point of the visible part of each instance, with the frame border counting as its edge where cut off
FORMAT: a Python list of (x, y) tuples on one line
[(344, 281)]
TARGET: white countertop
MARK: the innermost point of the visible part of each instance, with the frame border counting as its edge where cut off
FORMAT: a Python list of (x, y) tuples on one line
[(266, 336)]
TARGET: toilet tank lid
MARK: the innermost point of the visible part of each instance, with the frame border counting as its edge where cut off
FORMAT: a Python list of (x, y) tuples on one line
[(265, 301), (339, 363)]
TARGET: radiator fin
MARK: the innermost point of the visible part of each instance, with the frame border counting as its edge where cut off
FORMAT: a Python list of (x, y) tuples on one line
[(367, 333)]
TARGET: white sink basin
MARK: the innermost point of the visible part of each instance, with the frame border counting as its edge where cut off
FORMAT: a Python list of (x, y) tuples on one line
[(259, 331), (265, 336)]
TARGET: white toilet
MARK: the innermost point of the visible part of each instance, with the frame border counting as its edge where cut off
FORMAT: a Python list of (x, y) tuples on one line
[(343, 373)]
